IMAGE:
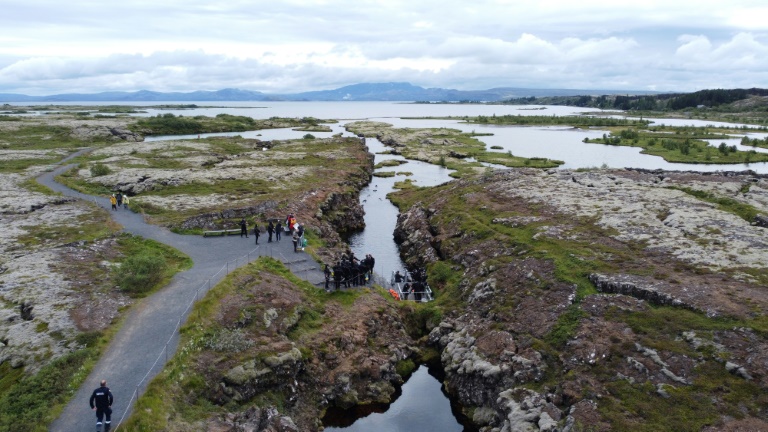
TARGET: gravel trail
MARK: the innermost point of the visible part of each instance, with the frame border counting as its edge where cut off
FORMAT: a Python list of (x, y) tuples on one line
[(148, 336)]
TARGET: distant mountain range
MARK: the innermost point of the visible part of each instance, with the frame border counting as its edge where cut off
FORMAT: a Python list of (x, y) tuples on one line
[(355, 92)]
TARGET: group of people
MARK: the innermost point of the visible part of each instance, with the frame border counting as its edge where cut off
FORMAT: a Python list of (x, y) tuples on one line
[(119, 200), (349, 271), (272, 230), (414, 283), (275, 228)]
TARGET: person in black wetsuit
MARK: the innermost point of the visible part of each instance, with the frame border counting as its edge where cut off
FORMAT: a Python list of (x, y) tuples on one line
[(101, 401), (243, 228), (398, 277), (278, 230), (327, 271), (337, 270)]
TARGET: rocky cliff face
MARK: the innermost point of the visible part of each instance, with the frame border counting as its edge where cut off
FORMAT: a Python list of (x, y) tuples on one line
[(413, 233), (532, 345)]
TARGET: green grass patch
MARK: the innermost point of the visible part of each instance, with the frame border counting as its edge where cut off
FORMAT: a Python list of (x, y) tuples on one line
[(640, 408), (71, 179), (170, 124), (39, 137), (27, 405), (20, 165), (32, 185), (509, 160), (390, 163), (405, 368), (566, 326), (88, 226), (384, 174), (421, 318), (659, 321), (9, 377), (730, 205)]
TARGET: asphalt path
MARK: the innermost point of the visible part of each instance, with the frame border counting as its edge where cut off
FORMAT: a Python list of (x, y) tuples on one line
[(148, 336)]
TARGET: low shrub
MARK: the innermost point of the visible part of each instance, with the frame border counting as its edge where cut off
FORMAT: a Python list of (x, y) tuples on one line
[(100, 170), (139, 273)]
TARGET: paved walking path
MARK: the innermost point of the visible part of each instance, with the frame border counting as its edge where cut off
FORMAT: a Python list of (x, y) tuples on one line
[(149, 328)]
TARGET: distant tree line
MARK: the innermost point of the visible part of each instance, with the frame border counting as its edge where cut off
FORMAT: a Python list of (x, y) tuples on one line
[(661, 102), (576, 121)]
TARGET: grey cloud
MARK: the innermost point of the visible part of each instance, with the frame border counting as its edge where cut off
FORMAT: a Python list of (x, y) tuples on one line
[(46, 46)]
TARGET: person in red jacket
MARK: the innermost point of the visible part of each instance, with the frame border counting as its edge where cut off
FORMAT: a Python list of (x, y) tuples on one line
[(101, 401)]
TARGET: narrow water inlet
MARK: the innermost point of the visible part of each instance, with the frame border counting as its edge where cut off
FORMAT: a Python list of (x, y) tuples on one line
[(377, 238), (420, 405)]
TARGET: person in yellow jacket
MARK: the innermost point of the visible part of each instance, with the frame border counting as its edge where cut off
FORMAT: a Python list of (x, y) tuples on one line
[(125, 201), (113, 201)]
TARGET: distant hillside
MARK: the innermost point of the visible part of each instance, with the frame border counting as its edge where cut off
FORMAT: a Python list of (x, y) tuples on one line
[(733, 98), (356, 92)]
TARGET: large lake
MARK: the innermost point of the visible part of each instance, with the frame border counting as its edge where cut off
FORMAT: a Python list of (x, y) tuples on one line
[(562, 143)]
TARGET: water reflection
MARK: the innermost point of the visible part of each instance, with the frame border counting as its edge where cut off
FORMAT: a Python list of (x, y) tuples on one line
[(565, 143), (381, 214), (422, 406)]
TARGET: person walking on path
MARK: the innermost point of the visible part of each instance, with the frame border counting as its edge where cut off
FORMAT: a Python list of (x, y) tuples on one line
[(295, 239), (101, 401), (278, 231), (270, 230), (244, 229), (256, 232), (125, 201), (113, 201), (119, 197)]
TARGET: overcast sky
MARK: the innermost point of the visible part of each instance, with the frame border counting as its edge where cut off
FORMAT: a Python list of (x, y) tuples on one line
[(55, 46)]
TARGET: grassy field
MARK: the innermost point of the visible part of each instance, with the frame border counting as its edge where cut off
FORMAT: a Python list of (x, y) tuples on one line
[(682, 145)]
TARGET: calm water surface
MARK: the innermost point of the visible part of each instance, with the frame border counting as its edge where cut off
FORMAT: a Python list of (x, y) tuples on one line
[(421, 407), (562, 143), (381, 214)]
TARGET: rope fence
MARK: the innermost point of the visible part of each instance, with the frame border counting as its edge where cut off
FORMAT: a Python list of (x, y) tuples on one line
[(204, 288)]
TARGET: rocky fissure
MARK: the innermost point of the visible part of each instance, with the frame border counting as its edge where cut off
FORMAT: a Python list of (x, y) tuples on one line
[(664, 248)]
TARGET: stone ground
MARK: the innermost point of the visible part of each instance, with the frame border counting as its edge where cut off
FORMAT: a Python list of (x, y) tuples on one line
[(509, 325)]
